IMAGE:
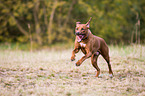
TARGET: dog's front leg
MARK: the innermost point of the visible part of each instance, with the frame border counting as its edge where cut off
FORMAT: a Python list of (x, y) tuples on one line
[(76, 50), (83, 58)]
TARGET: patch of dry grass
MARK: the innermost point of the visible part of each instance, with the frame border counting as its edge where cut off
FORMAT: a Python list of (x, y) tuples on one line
[(51, 73)]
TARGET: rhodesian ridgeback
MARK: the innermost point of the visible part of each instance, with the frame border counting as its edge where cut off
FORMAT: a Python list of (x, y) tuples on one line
[(91, 45)]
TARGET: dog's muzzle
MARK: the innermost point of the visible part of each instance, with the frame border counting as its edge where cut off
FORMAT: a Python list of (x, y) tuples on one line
[(80, 36)]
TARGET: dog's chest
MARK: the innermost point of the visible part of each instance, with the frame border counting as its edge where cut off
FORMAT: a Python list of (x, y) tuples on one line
[(82, 44)]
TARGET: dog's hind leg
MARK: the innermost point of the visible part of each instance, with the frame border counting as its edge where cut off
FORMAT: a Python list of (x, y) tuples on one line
[(94, 58), (105, 54), (109, 66)]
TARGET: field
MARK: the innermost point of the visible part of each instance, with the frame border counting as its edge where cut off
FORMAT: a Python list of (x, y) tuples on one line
[(51, 73)]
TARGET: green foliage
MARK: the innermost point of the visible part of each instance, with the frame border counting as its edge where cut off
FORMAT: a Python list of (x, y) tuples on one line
[(114, 20)]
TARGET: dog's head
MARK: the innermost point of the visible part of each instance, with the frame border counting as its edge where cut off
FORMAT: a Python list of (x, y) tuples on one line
[(81, 30)]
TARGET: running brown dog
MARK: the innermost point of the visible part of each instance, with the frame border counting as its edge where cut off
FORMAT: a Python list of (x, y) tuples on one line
[(91, 45)]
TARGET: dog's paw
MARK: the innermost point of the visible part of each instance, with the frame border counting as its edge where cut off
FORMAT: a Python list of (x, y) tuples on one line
[(100, 76), (110, 75), (78, 63), (72, 58)]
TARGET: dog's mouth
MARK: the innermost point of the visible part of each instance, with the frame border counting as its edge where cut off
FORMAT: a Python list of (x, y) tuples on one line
[(80, 37)]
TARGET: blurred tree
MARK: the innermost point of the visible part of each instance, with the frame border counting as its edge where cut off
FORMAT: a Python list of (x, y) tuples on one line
[(53, 21)]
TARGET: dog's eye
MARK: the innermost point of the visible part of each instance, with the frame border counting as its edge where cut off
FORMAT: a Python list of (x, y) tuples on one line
[(82, 29)]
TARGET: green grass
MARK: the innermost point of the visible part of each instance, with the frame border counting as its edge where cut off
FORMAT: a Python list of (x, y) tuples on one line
[(51, 73), (14, 46), (35, 46)]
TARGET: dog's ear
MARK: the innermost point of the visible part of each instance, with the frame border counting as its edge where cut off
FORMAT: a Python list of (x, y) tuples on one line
[(88, 23), (77, 23)]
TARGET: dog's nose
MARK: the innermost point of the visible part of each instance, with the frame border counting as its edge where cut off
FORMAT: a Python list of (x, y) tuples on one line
[(77, 33)]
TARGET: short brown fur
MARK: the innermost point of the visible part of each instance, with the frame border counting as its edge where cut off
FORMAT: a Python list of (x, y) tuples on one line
[(91, 45)]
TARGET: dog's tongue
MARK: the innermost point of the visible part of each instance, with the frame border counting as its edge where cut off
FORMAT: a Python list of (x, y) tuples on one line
[(79, 38)]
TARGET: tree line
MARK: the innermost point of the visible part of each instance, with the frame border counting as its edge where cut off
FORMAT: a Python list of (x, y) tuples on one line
[(51, 21)]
